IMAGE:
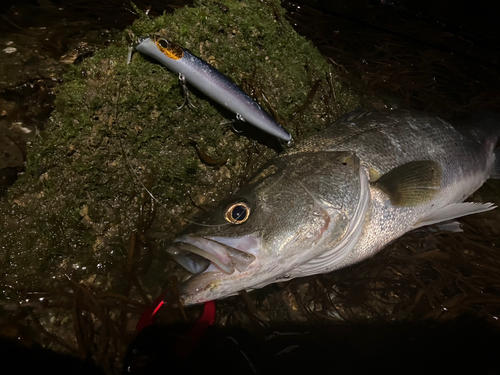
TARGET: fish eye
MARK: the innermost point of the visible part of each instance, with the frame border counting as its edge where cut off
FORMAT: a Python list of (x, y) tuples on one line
[(237, 213), (164, 43)]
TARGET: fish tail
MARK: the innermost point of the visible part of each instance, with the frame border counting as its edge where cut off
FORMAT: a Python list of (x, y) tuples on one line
[(489, 122), (495, 168), (483, 125)]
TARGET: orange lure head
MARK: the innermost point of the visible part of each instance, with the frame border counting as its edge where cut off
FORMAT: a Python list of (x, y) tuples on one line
[(169, 49)]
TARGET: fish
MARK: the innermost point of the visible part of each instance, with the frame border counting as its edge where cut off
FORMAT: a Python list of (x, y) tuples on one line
[(338, 198), (212, 83)]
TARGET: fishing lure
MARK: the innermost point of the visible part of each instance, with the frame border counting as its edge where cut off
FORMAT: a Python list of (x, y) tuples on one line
[(212, 83)]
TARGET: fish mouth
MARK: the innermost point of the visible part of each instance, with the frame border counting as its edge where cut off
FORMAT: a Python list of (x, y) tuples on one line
[(210, 258)]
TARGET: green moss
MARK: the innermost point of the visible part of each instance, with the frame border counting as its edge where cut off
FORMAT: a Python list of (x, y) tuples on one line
[(78, 203)]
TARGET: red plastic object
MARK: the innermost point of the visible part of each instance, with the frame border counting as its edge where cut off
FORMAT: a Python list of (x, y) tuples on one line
[(147, 316), (187, 343)]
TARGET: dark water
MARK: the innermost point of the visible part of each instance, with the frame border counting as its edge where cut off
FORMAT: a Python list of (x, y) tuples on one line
[(38, 41), (441, 57)]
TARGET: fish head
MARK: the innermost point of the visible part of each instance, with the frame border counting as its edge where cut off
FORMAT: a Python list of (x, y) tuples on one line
[(297, 206)]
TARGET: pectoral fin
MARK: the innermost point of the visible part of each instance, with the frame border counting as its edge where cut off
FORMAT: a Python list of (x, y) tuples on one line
[(412, 183)]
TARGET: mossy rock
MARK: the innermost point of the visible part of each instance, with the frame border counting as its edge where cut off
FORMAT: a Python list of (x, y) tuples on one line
[(79, 210)]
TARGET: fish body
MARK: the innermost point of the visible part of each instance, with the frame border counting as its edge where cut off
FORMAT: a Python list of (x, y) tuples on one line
[(212, 83), (338, 198)]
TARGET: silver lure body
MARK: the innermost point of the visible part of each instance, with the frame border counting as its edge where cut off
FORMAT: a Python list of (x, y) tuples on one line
[(217, 87), (338, 198)]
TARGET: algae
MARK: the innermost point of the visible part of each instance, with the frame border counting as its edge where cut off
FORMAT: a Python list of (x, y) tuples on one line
[(79, 213)]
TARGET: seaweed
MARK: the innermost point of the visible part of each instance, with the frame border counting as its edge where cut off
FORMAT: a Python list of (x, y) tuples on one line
[(114, 175)]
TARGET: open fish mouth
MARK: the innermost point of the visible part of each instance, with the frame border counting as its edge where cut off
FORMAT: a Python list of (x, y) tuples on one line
[(214, 254)]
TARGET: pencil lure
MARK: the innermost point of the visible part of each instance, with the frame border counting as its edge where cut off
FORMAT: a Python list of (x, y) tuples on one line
[(212, 83)]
